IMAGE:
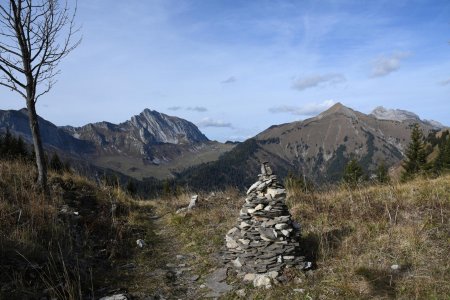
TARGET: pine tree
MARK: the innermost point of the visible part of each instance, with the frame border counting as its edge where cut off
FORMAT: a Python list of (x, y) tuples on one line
[(415, 154), (446, 155), (56, 164), (382, 173), (7, 145), (438, 163), (67, 167), (20, 148), (353, 173), (131, 187), (12, 147), (2, 154)]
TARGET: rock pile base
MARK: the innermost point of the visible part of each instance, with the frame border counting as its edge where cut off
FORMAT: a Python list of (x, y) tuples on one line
[(265, 240)]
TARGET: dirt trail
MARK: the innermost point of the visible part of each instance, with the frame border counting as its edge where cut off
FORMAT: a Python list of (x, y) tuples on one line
[(158, 270)]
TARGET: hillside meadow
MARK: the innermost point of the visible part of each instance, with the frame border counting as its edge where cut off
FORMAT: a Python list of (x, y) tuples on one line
[(372, 242), (376, 242)]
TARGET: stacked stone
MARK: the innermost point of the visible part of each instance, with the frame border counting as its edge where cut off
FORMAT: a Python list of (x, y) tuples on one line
[(265, 240)]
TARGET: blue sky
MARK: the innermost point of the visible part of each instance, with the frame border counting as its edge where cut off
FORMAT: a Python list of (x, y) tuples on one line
[(235, 68)]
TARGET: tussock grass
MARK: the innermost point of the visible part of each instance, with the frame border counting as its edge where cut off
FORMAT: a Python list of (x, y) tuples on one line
[(58, 247), (357, 235), (353, 236)]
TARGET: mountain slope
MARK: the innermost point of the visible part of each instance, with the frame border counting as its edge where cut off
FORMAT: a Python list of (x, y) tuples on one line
[(401, 115), (320, 147), (150, 144), (136, 136), (53, 137)]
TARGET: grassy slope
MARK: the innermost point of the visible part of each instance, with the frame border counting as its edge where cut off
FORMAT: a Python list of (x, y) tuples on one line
[(67, 246), (134, 167), (354, 236)]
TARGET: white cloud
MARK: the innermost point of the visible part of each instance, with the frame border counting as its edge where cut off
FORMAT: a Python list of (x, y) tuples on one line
[(209, 122), (387, 64), (230, 79), (309, 109), (315, 80), (174, 108)]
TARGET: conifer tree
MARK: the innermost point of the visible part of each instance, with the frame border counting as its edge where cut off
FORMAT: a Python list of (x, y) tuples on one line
[(415, 154), (7, 145), (382, 173), (2, 146), (131, 187), (20, 148), (12, 147), (353, 173), (56, 164), (446, 155), (438, 163)]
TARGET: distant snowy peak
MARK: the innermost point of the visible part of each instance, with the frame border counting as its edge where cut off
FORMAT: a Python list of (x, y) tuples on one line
[(401, 115)]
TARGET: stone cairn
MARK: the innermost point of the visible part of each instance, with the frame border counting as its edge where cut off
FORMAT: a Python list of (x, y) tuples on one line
[(266, 240)]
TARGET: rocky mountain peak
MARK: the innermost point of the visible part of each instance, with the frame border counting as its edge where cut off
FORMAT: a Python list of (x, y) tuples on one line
[(163, 128), (400, 115), (338, 108)]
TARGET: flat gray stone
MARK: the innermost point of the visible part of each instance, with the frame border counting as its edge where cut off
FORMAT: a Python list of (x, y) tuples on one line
[(194, 277), (218, 275), (253, 187), (215, 283)]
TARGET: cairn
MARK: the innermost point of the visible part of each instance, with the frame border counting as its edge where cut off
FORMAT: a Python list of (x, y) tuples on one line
[(266, 240)]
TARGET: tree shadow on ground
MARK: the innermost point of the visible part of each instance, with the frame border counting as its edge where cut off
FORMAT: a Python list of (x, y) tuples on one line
[(313, 245), (383, 282)]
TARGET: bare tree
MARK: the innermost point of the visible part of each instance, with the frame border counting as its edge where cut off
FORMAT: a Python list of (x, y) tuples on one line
[(34, 37)]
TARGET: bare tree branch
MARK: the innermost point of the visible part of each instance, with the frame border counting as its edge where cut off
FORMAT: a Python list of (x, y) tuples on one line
[(34, 36)]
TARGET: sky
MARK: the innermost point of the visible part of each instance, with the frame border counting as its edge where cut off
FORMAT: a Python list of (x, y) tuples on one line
[(234, 68)]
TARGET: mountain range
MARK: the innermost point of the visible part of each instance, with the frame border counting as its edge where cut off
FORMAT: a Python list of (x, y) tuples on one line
[(150, 144), (153, 144), (318, 147)]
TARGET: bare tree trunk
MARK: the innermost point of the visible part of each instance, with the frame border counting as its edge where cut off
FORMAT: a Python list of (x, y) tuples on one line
[(31, 47), (38, 149)]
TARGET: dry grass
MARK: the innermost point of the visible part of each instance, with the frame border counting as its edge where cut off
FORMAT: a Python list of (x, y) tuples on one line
[(57, 247), (353, 236), (357, 235), (202, 230)]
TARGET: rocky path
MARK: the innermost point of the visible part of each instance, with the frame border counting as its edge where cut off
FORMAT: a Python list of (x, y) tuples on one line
[(161, 270)]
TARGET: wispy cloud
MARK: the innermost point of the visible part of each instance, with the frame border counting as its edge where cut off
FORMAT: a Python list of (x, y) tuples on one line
[(445, 82), (316, 80), (309, 109), (197, 108), (385, 65), (230, 79), (190, 108), (210, 122)]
